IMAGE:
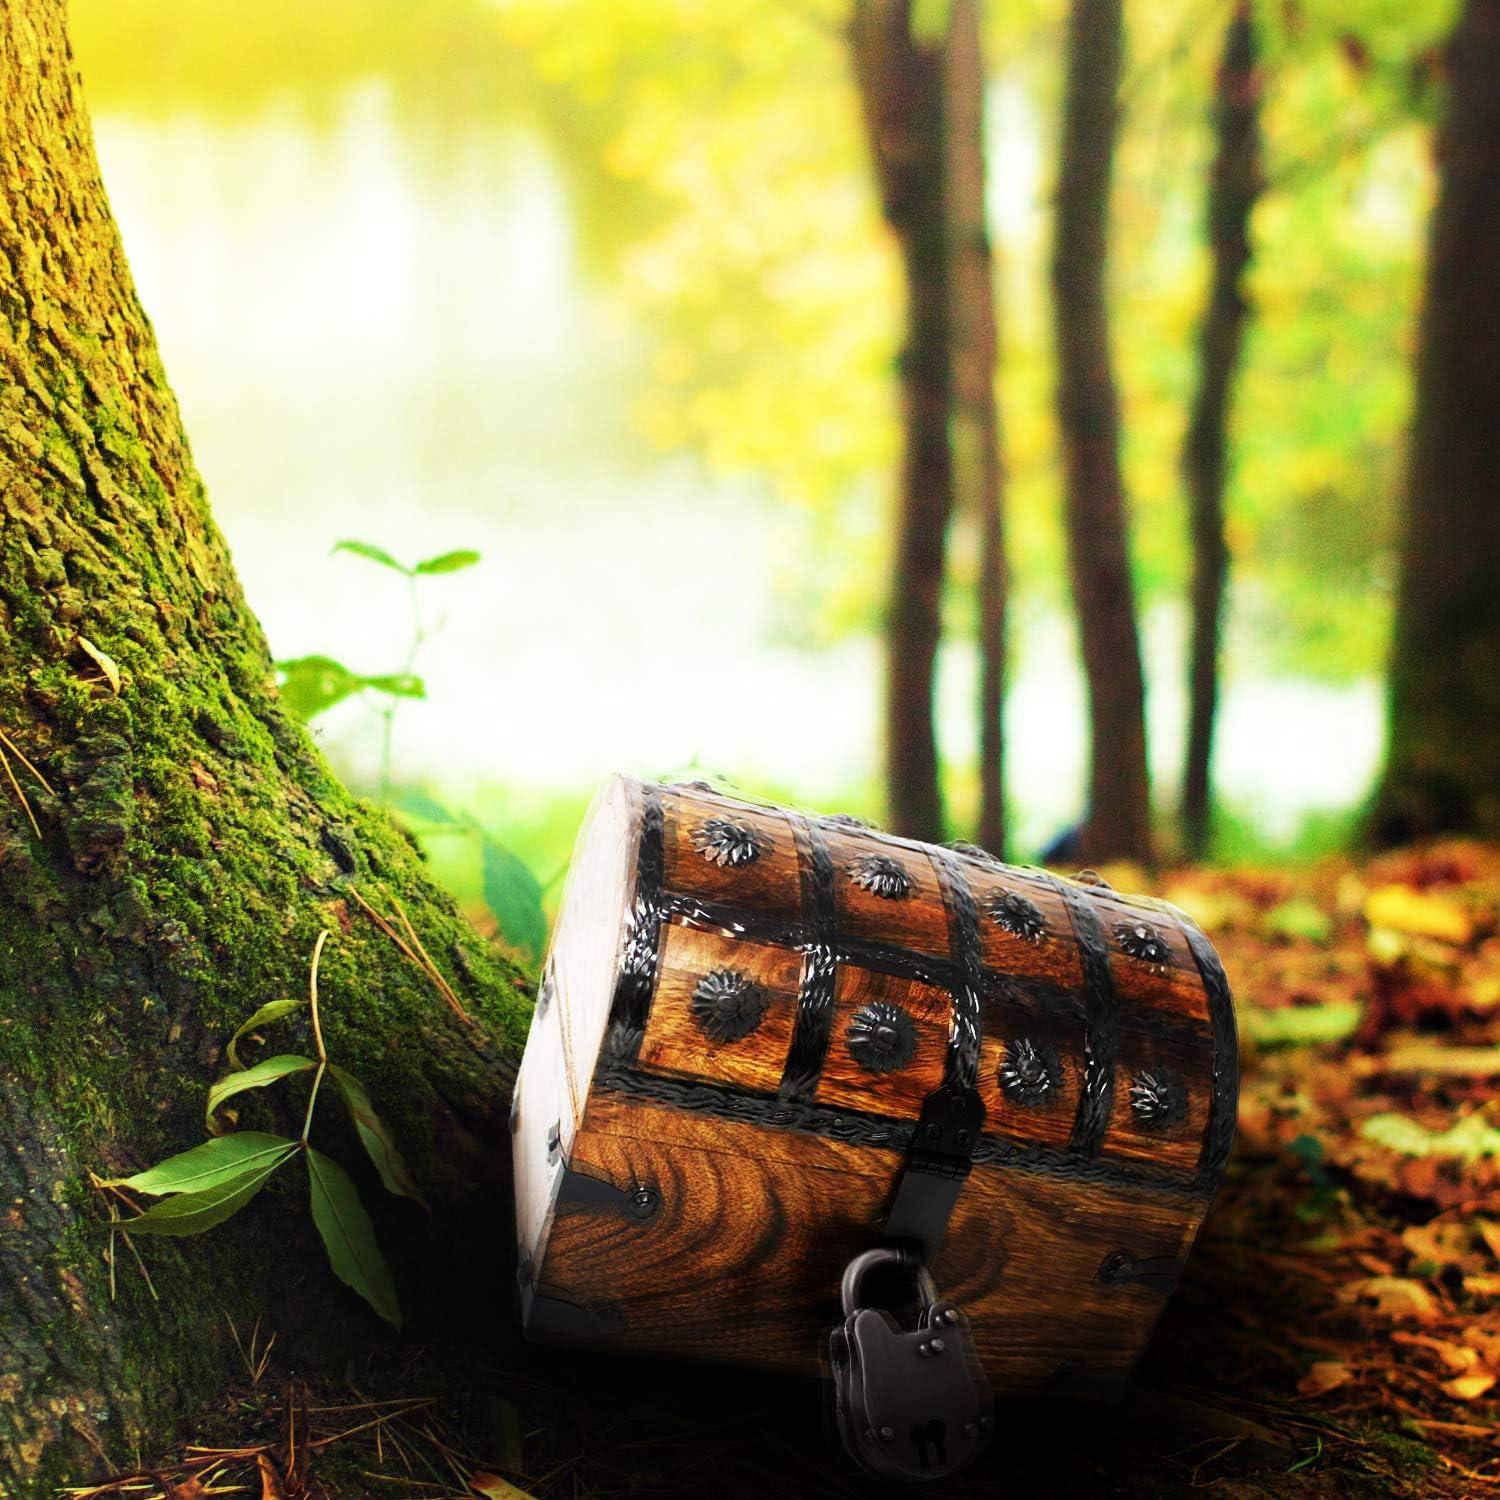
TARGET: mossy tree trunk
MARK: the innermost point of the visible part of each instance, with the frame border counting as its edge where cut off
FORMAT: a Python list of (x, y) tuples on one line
[(1443, 762), (1118, 819), (193, 847)]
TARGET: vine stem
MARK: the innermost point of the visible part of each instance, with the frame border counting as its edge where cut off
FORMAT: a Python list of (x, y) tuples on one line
[(317, 1026)]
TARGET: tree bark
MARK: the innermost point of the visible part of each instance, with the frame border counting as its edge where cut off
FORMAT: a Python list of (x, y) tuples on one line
[(900, 83), (1443, 762), (1234, 186), (978, 476), (1117, 821), (193, 844)]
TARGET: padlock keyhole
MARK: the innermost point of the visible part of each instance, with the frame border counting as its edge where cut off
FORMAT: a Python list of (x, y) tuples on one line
[(931, 1434)]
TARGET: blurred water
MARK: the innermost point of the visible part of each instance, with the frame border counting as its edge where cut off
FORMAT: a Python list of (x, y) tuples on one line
[(384, 333)]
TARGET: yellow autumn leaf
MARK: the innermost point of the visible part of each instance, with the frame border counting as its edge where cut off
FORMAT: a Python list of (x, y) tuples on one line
[(1394, 1296), (493, 1487), (1470, 1387), (1489, 1232), (1456, 1356), (1323, 1376), (1482, 1286), (1444, 1243), (1399, 908), (104, 661)]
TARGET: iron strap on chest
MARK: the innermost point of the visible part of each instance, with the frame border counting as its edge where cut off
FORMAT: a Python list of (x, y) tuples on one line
[(952, 1118)]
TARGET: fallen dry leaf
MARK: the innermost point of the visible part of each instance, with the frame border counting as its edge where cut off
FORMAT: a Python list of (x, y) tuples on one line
[(104, 661), (270, 1480), (1323, 1376), (1444, 1242), (1487, 1342), (493, 1487), (1455, 1356), (1394, 1296), (1470, 1387), (1489, 1232), (1399, 908)]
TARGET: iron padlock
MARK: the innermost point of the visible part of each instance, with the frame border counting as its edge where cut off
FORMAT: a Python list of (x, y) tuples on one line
[(912, 1404)]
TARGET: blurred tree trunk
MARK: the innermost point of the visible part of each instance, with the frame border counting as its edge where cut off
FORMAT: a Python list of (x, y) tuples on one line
[(1234, 185), (1117, 822), (1443, 762), (900, 81), (191, 845), (978, 477)]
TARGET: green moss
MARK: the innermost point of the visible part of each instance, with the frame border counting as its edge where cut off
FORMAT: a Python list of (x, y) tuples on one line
[(1410, 1456)]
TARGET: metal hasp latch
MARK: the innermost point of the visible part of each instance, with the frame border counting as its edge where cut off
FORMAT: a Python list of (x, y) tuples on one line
[(912, 1404), (936, 1166)]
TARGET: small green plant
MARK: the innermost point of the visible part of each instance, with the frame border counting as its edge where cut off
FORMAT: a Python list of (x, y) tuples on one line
[(202, 1187), (313, 684), (511, 893)]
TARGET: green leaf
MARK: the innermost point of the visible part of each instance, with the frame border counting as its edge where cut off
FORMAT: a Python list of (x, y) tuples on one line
[(372, 553), (349, 1237), (448, 562), (311, 685), (1469, 1140), (397, 684), (375, 1137), (192, 1213), (207, 1165), (1300, 1025), (514, 898), (273, 1010), (1299, 919), (416, 803), (266, 1071)]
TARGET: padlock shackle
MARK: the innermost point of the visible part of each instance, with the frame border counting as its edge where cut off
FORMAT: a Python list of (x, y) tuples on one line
[(895, 1256)]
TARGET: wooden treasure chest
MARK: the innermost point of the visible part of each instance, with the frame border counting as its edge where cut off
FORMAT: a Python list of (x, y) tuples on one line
[(771, 1048)]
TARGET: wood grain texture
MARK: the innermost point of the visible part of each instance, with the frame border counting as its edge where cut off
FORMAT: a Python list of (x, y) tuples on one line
[(619, 1115), (742, 1262), (676, 1042), (917, 920), (1167, 1061), (1054, 957), (847, 1082), (1051, 1026), (770, 883), (1173, 989)]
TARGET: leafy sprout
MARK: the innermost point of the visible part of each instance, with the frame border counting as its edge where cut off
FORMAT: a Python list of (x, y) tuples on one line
[(311, 685), (203, 1186)]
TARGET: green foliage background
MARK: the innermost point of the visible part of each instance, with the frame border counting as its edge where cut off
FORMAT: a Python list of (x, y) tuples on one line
[(717, 184)]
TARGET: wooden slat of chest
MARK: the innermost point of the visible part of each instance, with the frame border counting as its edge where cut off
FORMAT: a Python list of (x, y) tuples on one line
[(741, 1261)]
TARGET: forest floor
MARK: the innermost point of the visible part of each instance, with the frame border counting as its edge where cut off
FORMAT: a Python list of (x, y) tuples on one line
[(1337, 1331)]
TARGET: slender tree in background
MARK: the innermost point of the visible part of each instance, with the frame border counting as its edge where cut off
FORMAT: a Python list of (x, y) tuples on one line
[(1443, 762), (1234, 185), (1117, 822), (188, 845), (901, 80), (978, 477), (922, 97)]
